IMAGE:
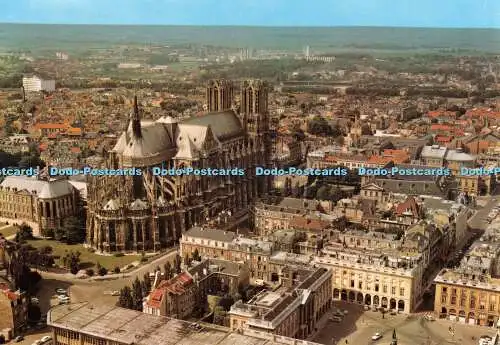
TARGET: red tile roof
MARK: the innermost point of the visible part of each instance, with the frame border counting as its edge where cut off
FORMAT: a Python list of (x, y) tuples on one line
[(177, 285)]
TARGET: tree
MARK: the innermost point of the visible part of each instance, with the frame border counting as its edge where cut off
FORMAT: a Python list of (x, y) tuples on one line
[(59, 234), (226, 302), (178, 264), (102, 271), (319, 126), (187, 260), (288, 187), (323, 193), (219, 316), (126, 299), (72, 261), (196, 255), (34, 313), (167, 268), (137, 294), (24, 233), (73, 230), (147, 284)]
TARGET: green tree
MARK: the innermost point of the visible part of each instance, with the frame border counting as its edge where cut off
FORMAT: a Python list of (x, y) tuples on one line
[(24, 233), (73, 230), (178, 264), (319, 126), (323, 193), (219, 316), (196, 255), (147, 284), (167, 269), (34, 313), (126, 299), (137, 294), (71, 261)]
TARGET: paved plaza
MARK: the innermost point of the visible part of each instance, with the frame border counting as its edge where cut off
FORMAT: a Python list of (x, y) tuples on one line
[(358, 326)]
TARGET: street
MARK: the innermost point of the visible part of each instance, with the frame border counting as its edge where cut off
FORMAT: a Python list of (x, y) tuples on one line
[(82, 290)]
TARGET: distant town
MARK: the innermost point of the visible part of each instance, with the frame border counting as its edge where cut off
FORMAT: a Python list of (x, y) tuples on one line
[(132, 209)]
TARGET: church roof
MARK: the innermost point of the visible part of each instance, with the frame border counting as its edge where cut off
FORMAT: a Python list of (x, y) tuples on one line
[(187, 149), (138, 205), (154, 141), (224, 124), (44, 189), (112, 205)]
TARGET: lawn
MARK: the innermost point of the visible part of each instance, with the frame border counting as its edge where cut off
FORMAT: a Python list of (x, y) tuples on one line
[(87, 258), (8, 231)]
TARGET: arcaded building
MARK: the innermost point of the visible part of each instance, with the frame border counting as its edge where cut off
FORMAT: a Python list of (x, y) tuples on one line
[(148, 212)]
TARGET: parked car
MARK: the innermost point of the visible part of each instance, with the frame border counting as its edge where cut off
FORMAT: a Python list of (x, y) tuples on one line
[(335, 319), (376, 336), (366, 307), (429, 317), (37, 342), (35, 300), (115, 293), (60, 291), (18, 339), (45, 339)]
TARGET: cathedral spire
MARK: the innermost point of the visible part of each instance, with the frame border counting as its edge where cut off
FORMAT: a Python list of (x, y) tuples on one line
[(136, 120)]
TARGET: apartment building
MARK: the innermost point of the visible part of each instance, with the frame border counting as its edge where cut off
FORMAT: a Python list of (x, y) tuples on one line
[(214, 243), (292, 310), (34, 83), (180, 296)]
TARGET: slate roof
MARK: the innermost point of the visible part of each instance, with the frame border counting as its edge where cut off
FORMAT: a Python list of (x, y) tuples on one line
[(44, 189), (224, 124)]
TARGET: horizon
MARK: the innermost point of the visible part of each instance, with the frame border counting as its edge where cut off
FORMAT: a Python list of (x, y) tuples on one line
[(459, 14), (255, 26)]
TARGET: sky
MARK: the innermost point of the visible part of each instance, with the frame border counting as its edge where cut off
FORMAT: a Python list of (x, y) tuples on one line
[(405, 13)]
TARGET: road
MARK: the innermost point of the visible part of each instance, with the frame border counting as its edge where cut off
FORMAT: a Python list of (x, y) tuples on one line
[(478, 221), (83, 290)]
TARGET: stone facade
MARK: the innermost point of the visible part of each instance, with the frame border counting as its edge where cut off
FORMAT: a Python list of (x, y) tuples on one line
[(149, 212), (41, 203)]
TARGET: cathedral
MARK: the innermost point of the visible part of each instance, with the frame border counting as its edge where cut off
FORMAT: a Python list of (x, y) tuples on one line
[(150, 212)]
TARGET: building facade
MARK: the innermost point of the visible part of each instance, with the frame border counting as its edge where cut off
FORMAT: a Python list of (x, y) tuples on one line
[(291, 311), (219, 244), (37, 84), (149, 212), (182, 295), (42, 203), (13, 308)]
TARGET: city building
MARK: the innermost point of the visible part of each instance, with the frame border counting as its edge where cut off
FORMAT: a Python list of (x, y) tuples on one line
[(292, 310), (42, 203), (35, 83), (149, 212), (180, 296), (17, 143), (376, 269), (90, 324), (219, 244), (470, 293), (13, 308), (276, 213)]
